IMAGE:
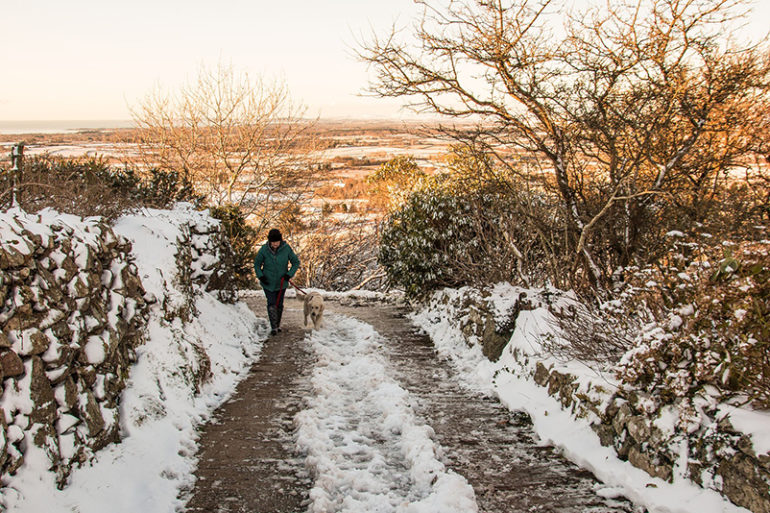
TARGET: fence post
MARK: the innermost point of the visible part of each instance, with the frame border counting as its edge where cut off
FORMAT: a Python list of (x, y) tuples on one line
[(17, 170)]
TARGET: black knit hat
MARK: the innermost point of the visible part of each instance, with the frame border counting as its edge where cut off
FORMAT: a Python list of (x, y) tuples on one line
[(274, 235)]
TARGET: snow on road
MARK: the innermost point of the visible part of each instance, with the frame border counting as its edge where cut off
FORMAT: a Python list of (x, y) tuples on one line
[(366, 447)]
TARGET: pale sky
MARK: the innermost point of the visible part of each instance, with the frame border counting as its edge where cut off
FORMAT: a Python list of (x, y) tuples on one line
[(94, 59)]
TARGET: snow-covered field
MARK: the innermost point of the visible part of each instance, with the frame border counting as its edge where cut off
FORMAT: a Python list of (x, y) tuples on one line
[(553, 424), (78, 150), (424, 150)]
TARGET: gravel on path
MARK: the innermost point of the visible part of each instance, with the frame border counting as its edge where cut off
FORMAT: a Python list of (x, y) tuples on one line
[(246, 459)]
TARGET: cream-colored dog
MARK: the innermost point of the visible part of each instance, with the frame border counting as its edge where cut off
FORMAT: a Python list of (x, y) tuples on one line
[(314, 308)]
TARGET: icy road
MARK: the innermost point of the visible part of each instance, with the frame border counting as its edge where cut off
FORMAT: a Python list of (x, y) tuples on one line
[(362, 416)]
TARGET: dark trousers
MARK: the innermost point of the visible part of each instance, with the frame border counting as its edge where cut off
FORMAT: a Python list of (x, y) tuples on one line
[(275, 306)]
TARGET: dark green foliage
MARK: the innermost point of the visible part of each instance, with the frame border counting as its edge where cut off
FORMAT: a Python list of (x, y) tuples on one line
[(93, 187), (419, 241), (164, 188), (442, 237), (243, 240), (157, 188)]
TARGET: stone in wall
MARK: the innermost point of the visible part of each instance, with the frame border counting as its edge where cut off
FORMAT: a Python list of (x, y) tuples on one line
[(11, 364), (625, 420), (484, 326), (745, 482), (625, 424)]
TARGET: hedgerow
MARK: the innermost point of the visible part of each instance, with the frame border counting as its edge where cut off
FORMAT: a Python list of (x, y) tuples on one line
[(712, 329), (91, 186)]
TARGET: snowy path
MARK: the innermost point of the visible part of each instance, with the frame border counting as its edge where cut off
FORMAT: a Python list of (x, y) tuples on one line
[(494, 449), (385, 427), (368, 450), (247, 460)]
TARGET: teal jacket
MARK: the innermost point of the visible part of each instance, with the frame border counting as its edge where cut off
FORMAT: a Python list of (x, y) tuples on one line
[(273, 265)]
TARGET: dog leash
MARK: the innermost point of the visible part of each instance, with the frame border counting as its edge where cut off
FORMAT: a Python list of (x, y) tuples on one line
[(299, 289), (278, 299)]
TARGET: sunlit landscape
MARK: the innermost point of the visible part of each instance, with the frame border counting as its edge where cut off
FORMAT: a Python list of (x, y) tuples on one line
[(393, 257)]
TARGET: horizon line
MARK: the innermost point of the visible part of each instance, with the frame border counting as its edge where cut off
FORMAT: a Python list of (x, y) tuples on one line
[(128, 120)]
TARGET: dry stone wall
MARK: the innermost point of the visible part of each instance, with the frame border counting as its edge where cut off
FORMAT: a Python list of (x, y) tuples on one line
[(719, 456), (640, 428), (72, 311)]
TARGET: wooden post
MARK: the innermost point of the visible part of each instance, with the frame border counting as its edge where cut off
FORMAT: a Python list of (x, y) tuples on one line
[(17, 170)]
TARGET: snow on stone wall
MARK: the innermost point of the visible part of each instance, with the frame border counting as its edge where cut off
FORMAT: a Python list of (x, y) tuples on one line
[(178, 253), (699, 440), (87, 310), (72, 311)]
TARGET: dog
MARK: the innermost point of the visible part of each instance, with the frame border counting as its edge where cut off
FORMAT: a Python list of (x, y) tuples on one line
[(314, 308)]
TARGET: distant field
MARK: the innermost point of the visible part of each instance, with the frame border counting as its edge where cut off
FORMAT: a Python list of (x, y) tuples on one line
[(350, 147), (351, 150)]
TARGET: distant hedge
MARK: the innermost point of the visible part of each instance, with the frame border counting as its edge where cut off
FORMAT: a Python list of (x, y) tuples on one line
[(91, 186)]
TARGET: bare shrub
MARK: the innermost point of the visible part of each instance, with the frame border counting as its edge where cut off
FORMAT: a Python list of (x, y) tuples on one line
[(240, 140), (593, 335), (341, 255)]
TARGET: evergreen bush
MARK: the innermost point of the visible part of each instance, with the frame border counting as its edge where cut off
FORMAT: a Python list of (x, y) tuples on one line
[(445, 237), (243, 240)]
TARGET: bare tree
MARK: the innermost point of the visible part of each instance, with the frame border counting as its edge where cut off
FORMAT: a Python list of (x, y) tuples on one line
[(623, 109), (241, 141)]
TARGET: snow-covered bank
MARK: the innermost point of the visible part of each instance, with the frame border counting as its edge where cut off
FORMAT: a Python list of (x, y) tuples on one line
[(364, 444), (511, 379), (183, 372)]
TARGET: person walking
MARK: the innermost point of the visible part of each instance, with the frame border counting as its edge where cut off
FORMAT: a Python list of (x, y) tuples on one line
[(272, 267)]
